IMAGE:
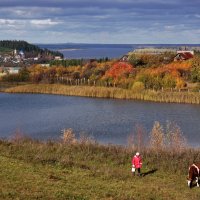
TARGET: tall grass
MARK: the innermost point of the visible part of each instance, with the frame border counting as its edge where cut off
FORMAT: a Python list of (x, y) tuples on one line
[(93, 155), (79, 168), (106, 92), (165, 148)]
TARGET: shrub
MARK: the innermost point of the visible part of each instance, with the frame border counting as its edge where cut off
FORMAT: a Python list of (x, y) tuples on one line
[(138, 86), (195, 71), (174, 139), (168, 81), (180, 83), (68, 136), (170, 139), (157, 137)]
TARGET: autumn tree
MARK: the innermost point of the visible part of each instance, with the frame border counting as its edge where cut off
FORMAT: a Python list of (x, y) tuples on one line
[(168, 81), (157, 138), (195, 71), (120, 70)]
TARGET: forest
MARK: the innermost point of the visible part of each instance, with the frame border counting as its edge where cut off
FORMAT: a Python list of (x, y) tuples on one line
[(29, 49)]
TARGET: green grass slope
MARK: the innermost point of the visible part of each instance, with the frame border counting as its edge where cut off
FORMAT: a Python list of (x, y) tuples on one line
[(56, 170)]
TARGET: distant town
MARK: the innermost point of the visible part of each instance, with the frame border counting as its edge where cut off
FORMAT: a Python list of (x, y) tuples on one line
[(15, 55)]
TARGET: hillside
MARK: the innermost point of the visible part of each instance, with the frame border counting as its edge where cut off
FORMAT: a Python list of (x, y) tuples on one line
[(86, 170), (26, 47)]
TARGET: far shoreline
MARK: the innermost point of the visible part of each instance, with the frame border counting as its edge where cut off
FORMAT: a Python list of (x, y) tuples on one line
[(102, 92)]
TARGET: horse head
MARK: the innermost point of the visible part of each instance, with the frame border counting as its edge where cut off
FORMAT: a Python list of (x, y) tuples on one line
[(193, 174)]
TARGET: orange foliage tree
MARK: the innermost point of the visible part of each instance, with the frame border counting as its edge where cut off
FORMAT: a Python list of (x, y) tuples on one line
[(119, 70)]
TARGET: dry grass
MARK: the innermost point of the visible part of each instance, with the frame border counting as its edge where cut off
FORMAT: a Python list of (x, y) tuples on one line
[(92, 91), (80, 168), (57, 170)]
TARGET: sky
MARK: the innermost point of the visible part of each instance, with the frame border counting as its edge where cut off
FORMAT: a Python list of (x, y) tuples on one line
[(101, 21)]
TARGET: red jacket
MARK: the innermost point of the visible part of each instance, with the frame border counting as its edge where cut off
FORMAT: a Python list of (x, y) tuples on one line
[(137, 161)]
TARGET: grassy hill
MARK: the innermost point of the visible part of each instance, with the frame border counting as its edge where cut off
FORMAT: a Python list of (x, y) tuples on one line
[(86, 170)]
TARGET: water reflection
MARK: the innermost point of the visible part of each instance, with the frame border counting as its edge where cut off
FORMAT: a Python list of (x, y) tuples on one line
[(107, 120)]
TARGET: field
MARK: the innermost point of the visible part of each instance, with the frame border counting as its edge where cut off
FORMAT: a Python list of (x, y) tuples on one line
[(87, 170)]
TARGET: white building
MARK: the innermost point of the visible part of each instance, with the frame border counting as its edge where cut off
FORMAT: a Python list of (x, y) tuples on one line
[(11, 70)]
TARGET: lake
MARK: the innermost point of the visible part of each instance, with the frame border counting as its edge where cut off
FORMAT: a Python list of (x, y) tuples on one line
[(106, 120), (88, 51)]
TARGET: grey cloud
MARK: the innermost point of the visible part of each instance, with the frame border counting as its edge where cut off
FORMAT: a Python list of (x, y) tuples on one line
[(144, 4), (92, 17)]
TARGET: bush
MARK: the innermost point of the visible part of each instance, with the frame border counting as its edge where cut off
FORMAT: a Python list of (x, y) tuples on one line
[(138, 86), (157, 137), (168, 81), (195, 71), (170, 139), (150, 81), (68, 136)]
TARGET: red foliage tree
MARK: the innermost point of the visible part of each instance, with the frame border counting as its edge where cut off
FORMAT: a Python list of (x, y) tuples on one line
[(119, 70)]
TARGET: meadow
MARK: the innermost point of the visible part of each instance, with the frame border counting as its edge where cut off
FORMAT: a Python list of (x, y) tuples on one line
[(80, 169)]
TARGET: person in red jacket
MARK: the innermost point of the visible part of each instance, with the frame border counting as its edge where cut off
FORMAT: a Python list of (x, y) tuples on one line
[(136, 163)]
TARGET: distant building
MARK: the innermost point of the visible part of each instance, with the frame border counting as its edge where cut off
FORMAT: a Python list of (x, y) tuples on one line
[(57, 58), (186, 51), (2, 72), (153, 51), (124, 58), (184, 55), (45, 65), (22, 55), (36, 58), (15, 52), (11, 70)]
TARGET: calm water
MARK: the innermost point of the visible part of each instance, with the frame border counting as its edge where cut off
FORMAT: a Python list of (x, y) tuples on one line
[(85, 51), (107, 120), (76, 51)]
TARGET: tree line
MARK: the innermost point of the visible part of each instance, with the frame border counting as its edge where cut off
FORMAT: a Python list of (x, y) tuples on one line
[(27, 47), (158, 74)]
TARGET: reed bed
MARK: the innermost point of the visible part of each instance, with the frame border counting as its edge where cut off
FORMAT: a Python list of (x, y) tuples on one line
[(107, 92)]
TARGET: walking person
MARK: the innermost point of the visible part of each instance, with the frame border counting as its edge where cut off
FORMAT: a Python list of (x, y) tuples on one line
[(136, 164)]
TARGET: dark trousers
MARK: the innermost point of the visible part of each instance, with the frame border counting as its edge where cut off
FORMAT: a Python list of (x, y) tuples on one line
[(138, 171)]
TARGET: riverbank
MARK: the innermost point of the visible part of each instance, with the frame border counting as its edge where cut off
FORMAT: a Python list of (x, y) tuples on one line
[(104, 92), (87, 170)]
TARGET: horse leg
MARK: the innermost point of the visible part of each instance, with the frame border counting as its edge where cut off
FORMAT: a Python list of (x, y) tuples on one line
[(189, 183), (197, 181)]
